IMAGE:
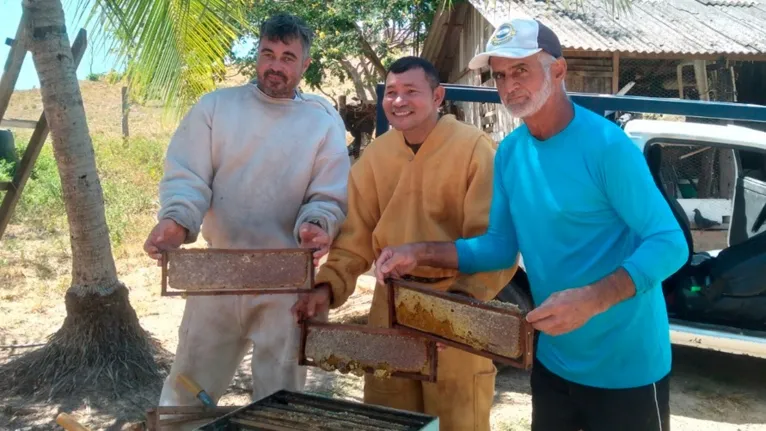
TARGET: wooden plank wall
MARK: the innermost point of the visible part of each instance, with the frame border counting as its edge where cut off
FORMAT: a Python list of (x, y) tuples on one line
[(589, 75), (490, 117)]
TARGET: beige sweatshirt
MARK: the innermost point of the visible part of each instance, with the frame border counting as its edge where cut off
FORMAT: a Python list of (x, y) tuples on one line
[(396, 197), (251, 169)]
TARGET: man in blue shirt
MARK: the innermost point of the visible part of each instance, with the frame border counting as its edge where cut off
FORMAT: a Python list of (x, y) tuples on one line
[(575, 197)]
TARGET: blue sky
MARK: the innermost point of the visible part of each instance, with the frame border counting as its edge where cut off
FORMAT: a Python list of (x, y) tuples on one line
[(96, 59)]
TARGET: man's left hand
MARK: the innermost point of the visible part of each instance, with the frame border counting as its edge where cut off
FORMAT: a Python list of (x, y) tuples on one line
[(565, 311), (313, 236)]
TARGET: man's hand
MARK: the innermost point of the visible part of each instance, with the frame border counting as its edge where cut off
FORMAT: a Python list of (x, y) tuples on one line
[(313, 236), (312, 303), (569, 309), (564, 311), (396, 261), (166, 235)]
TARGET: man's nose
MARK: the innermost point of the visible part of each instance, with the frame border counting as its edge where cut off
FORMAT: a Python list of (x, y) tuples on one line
[(278, 66), (510, 85)]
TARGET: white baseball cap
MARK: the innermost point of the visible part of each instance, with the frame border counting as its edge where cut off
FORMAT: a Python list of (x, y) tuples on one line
[(518, 38)]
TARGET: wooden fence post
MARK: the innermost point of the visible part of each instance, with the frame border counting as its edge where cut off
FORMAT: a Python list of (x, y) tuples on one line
[(125, 111)]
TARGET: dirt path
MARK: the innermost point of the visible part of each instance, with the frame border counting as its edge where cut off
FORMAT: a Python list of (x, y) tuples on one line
[(709, 391)]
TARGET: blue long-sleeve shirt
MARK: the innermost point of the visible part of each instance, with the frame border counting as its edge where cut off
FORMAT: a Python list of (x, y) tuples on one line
[(578, 206)]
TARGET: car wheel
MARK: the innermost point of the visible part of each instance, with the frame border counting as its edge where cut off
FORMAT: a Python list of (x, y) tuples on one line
[(7, 147), (514, 293)]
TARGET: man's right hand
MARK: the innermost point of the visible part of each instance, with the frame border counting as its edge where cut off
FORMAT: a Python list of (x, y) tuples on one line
[(310, 304), (396, 261), (167, 235)]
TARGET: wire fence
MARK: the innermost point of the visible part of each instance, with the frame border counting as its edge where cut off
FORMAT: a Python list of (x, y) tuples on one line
[(684, 79)]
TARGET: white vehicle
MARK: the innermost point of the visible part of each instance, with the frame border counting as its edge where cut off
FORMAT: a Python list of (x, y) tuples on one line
[(718, 299)]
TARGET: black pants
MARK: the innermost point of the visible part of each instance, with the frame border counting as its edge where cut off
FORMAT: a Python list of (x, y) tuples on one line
[(560, 405)]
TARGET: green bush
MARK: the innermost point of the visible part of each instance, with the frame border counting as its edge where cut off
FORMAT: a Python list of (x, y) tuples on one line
[(129, 177), (113, 77)]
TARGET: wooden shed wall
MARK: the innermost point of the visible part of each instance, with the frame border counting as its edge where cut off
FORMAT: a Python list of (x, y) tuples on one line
[(492, 118), (590, 75), (585, 74)]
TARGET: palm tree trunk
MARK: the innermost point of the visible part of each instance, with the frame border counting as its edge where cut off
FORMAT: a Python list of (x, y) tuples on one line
[(93, 268), (101, 346)]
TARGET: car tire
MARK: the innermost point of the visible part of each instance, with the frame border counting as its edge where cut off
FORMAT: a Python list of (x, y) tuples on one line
[(514, 293)]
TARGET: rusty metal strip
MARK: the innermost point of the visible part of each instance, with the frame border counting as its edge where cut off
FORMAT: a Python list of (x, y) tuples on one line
[(525, 336), (210, 271), (431, 350)]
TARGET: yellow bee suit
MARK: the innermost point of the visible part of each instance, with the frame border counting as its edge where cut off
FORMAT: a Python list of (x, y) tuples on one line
[(396, 196)]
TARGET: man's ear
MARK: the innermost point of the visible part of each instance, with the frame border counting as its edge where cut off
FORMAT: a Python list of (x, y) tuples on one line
[(306, 64), (439, 93), (560, 69)]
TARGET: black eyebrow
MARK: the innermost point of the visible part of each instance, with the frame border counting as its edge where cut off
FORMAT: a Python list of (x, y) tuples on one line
[(288, 53)]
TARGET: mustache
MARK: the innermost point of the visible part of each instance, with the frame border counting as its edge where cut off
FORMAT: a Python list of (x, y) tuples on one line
[(515, 94), (272, 72)]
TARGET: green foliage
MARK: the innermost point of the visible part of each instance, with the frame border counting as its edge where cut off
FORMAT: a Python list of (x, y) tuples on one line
[(6, 170), (129, 176), (353, 38), (174, 50), (112, 77)]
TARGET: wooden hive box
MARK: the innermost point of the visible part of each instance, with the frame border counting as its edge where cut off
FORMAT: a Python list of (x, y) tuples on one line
[(288, 411)]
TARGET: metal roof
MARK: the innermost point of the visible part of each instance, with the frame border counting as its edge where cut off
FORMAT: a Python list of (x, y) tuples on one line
[(678, 27)]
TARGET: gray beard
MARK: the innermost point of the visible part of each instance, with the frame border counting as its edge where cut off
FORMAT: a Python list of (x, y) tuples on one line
[(532, 106)]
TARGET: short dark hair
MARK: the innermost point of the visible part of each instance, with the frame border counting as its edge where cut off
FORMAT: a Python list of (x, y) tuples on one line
[(286, 27), (408, 63)]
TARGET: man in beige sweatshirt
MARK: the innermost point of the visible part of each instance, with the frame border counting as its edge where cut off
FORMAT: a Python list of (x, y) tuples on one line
[(256, 166)]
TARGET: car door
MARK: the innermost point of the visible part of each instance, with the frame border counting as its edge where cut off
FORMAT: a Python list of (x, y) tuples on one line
[(749, 204)]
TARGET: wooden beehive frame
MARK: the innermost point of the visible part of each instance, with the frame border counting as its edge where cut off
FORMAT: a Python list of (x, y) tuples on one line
[(344, 414), (183, 415), (526, 336), (299, 282), (430, 352)]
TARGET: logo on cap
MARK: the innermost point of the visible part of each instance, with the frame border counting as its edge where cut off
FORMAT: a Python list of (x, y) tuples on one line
[(503, 34)]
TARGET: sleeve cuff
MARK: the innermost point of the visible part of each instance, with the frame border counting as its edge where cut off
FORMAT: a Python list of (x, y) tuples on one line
[(178, 217), (640, 281), (465, 260), (336, 293), (316, 219)]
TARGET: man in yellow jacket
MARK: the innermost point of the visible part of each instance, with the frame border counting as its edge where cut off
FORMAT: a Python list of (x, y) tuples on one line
[(429, 179)]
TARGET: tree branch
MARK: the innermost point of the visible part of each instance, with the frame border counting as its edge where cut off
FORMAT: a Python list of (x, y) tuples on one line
[(334, 101), (370, 53), (356, 78), (368, 79)]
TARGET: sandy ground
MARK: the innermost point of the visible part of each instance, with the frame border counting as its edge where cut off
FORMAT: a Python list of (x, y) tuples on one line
[(710, 391)]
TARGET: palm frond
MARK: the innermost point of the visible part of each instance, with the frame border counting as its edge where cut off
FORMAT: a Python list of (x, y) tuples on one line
[(172, 49)]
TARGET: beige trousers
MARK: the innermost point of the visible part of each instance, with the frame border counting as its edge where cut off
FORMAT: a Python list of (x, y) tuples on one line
[(215, 334)]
